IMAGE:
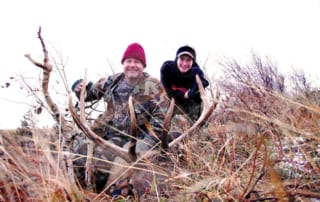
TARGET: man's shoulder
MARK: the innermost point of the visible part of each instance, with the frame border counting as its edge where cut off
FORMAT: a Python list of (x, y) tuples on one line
[(150, 86), (149, 78), (167, 65), (116, 76), (168, 62), (112, 77), (105, 82)]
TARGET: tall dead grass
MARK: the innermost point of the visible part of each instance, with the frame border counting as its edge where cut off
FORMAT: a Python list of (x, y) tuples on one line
[(262, 144), (33, 170)]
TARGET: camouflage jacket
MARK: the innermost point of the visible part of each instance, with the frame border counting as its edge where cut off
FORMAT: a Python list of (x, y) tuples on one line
[(150, 105)]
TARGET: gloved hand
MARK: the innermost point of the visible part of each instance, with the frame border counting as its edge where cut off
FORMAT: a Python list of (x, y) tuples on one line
[(75, 85)]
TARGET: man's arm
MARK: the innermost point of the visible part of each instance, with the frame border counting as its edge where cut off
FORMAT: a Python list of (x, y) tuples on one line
[(167, 75), (94, 91), (157, 105)]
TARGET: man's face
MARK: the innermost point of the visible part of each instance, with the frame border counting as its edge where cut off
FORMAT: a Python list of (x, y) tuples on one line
[(133, 68), (184, 63)]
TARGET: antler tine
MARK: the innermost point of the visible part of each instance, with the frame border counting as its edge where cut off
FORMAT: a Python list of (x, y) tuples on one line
[(94, 137), (166, 125), (133, 131), (206, 112), (202, 93)]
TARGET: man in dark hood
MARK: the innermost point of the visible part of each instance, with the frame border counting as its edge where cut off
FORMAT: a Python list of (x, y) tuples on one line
[(179, 79)]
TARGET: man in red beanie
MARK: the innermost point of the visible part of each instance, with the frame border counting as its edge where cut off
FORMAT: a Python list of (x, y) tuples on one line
[(150, 102)]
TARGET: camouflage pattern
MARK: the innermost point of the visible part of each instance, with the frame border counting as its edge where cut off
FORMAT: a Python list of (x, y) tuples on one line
[(150, 106), (191, 108)]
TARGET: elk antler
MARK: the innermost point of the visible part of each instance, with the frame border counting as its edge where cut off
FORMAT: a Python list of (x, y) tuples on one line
[(130, 155), (206, 112), (133, 131), (166, 125), (94, 137)]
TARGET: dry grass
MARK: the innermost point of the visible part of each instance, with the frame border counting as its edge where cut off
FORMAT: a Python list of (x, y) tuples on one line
[(262, 144), (32, 169), (249, 156)]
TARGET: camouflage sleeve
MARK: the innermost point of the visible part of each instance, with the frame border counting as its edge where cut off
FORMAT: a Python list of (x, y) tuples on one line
[(158, 105), (95, 91), (88, 90)]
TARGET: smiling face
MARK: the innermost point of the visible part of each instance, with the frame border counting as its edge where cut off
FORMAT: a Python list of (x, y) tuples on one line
[(133, 70), (184, 63)]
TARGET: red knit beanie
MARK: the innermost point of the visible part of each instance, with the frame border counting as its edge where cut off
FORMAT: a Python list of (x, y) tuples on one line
[(135, 51)]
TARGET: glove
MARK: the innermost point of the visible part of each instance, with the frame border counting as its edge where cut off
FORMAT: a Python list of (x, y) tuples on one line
[(75, 84)]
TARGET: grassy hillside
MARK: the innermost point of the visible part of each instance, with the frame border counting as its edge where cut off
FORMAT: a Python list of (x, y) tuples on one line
[(261, 144)]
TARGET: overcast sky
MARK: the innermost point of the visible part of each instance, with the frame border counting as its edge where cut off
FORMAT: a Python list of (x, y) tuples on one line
[(93, 35)]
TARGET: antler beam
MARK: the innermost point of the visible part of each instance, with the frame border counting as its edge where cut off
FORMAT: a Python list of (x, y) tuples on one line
[(205, 114)]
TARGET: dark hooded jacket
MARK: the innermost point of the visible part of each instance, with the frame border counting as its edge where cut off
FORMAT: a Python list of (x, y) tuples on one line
[(177, 83)]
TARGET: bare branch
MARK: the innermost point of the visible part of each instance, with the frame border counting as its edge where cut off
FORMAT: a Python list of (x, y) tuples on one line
[(38, 64), (46, 66)]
